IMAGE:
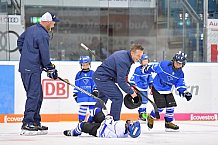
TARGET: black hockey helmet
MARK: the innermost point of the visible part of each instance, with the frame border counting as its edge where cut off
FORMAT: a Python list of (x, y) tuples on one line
[(132, 103)]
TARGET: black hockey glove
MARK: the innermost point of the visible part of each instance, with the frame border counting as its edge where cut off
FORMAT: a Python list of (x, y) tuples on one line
[(51, 71), (95, 92), (187, 95), (75, 96)]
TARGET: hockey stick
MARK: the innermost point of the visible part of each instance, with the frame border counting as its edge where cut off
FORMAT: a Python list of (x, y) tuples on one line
[(153, 104), (86, 48), (84, 91)]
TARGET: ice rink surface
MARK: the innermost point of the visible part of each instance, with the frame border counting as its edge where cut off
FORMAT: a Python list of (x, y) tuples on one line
[(191, 133)]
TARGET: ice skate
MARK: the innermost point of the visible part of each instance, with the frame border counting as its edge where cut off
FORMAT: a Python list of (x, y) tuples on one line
[(74, 132), (143, 116), (71, 133), (28, 130), (42, 130), (169, 126), (68, 133), (150, 121)]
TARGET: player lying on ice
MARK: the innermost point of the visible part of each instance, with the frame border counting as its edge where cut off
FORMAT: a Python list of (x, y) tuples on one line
[(100, 125)]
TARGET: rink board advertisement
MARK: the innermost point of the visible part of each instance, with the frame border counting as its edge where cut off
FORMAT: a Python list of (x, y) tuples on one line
[(59, 105), (212, 40), (7, 89)]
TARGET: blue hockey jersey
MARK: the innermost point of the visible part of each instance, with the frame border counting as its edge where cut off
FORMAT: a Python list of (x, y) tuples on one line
[(167, 77), (84, 80), (112, 129), (142, 79)]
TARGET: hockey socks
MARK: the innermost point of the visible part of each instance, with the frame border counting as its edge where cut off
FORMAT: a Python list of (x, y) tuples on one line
[(78, 131)]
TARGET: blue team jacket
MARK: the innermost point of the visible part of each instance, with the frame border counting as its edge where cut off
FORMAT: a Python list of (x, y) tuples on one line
[(84, 80), (142, 79), (33, 45), (116, 67), (166, 77)]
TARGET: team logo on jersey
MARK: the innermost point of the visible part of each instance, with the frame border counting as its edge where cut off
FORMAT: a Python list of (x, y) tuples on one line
[(169, 78), (86, 81)]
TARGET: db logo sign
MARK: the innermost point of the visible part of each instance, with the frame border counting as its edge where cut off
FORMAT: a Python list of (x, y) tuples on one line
[(55, 89)]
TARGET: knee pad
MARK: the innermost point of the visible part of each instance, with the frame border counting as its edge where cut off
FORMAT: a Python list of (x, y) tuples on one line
[(99, 117), (90, 128)]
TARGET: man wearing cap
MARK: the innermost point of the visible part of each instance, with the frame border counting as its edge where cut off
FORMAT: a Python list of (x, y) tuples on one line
[(33, 45)]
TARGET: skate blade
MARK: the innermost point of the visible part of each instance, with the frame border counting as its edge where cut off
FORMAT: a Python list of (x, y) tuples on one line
[(171, 130), (143, 121), (42, 132), (28, 133), (146, 122)]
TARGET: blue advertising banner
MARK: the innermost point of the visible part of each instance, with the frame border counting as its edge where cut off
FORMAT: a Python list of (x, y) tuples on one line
[(7, 89)]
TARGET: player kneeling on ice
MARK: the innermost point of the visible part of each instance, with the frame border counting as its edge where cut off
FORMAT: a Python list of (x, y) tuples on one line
[(103, 126), (169, 74)]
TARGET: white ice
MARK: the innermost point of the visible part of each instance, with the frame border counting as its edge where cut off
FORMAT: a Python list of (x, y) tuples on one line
[(191, 133)]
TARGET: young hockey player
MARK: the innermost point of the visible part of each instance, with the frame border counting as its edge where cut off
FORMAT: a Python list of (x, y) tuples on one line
[(169, 74), (103, 126), (143, 81), (84, 80)]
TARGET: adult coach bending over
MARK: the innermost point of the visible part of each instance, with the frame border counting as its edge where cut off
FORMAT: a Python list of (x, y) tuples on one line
[(115, 69), (33, 45)]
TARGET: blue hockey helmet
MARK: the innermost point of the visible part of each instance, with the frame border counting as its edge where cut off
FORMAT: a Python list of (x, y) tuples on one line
[(84, 59), (180, 57), (134, 129), (144, 56)]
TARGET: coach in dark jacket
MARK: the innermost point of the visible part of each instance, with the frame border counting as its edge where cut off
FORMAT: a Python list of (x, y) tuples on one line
[(33, 45), (115, 69)]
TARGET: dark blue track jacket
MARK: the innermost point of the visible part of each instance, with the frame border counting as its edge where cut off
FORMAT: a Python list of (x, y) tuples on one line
[(116, 67), (33, 45)]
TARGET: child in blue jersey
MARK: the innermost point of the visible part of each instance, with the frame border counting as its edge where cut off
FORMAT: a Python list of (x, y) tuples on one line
[(84, 80), (168, 74), (143, 81), (103, 126)]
